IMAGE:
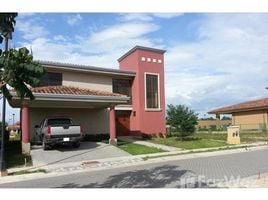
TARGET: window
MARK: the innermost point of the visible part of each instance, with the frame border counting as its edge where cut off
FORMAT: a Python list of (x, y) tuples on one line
[(51, 78), (122, 86), (152, 91)]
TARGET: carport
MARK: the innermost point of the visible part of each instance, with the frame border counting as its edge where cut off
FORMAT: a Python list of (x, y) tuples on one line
[(61, 100)]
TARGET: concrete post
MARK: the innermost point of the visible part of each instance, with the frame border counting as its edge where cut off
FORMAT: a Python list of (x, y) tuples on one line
[(26, 147), (112, 139)]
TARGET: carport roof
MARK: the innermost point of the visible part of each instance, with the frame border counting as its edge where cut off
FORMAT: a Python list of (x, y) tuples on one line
[(69, 96), (244, 106), (71, 90)]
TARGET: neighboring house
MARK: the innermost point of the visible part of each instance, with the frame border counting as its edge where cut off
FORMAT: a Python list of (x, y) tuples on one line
[(128, 101), (250, 115), (213, 124)]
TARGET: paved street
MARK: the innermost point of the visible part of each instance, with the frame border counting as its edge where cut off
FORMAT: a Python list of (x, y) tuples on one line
[(196, 172)]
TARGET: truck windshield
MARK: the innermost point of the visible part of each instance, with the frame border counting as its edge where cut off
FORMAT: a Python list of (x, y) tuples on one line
[(59, 121)]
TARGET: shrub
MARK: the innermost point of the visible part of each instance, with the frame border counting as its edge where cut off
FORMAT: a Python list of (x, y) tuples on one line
[(182, 118)]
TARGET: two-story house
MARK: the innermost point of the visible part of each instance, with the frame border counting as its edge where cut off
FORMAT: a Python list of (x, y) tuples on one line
[(128, 101)]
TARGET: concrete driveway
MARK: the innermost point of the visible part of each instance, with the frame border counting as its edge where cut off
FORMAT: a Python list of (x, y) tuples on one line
[(64, 154)]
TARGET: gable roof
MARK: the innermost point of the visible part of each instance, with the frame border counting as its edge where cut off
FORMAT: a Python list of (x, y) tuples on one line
[(76, 67), (244, 106), (141, 48)]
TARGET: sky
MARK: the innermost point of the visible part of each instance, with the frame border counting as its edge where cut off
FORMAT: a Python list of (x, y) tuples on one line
[(211, 60)]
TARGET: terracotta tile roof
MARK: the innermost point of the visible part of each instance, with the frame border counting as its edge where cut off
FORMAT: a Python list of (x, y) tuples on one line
[(71, 90), (248, 105)]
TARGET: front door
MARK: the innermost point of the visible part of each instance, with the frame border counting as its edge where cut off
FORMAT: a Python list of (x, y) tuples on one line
[(122, 122)]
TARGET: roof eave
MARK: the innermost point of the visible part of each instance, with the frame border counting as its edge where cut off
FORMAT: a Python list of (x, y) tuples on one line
[(140, 48), (69, 67), (236, 110), (68, 97)]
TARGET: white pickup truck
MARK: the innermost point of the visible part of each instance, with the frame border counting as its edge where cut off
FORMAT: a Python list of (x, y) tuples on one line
[(59, 130)]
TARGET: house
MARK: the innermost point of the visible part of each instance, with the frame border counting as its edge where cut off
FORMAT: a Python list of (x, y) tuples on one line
[(249, 115), (213, 124), (125, 101)]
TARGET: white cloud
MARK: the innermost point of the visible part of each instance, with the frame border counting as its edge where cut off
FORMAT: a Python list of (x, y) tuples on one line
[(74, 19), (227, 65), (147, 16), (30, 29)]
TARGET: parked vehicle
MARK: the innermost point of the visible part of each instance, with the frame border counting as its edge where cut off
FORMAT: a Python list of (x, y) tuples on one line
[(59, 130)]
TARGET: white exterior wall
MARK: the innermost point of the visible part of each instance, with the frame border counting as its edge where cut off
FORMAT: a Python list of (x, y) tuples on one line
[(93, 121), (86, 80)]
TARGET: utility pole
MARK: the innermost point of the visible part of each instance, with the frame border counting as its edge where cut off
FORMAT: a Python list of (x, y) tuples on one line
[(3, 170), (13, 119)]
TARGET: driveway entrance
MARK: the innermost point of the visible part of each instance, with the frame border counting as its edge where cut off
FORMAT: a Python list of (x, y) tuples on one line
[(64, 154)]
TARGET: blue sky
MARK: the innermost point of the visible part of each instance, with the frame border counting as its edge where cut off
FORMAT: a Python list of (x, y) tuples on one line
[(212, 60)]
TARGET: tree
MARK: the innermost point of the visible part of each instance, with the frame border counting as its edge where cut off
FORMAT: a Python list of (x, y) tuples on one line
[(226, 118), (18, 70), (182, 119)]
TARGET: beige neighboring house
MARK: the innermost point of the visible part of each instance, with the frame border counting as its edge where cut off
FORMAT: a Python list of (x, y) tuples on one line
[(249, 115), (208, 124)]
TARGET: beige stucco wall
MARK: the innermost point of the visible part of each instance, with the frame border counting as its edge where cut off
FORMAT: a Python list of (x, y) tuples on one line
[(93, 121), (208, 123), (250, 119), (86, 80)]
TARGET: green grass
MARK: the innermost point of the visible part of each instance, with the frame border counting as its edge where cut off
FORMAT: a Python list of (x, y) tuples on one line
[(191, 144), (137, 149), (14, 157), (28, 172), (246, 137)]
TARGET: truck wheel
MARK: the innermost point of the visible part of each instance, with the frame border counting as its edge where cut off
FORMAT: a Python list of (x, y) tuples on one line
[(45, 146), (76, 144)]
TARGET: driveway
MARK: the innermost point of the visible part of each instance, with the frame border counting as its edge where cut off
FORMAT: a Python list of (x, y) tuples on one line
[(64, 154)]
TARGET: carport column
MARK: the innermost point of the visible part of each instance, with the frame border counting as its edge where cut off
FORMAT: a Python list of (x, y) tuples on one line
[(25, 130), (112, 139)]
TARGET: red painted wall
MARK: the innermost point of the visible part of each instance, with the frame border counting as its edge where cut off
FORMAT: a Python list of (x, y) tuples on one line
[(144, 121)]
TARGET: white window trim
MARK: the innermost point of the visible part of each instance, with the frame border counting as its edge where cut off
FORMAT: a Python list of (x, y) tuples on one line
[(158, 89)]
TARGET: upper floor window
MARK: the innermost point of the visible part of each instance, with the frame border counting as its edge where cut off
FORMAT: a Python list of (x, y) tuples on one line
[(122, 86), (51, 78), (152, 91)]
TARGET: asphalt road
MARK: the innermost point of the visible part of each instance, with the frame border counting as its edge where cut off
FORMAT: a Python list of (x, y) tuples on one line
[(190, 173)]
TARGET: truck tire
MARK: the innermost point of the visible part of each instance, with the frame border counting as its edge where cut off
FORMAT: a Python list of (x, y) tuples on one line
[(76, 144), (45, 145)]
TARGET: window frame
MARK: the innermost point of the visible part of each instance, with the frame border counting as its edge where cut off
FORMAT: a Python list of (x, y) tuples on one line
[(158, 90)]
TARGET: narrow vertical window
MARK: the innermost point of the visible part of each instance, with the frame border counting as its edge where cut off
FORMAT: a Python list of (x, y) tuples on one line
[(152, 96)]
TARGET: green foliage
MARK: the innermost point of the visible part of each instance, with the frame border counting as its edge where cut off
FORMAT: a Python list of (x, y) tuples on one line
[(182, 119), (226, 118), (17, 68), (7, 23)]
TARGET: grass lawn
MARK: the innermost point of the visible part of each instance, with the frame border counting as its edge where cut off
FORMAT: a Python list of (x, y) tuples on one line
[(137, 149), (14, 157), (246, 137), (189, 144)]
